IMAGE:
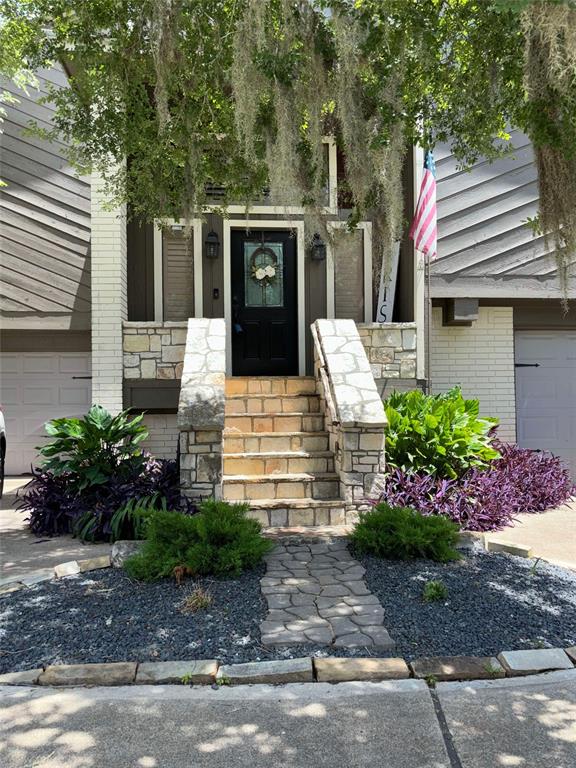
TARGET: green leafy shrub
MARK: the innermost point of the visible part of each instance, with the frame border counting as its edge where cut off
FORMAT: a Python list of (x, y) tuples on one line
[(437, 434), (130, 520), (90, 450), (434, 591), (220, 540), (400, 533)]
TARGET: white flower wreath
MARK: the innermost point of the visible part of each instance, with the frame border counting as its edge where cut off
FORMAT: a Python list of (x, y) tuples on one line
[(264, 275)]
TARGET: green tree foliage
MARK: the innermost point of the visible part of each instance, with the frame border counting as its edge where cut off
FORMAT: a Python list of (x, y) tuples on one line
[(239, 93)]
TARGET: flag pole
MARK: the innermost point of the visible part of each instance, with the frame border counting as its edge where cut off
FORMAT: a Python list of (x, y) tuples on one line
[(428, 321)]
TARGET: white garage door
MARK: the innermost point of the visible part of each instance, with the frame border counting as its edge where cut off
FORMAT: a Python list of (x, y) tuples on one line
[(546, 392), (35, 388)]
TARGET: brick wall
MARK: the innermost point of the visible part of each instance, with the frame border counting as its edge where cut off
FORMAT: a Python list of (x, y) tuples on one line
[(481, 359), (163, 440), (109, 298), (154, 350)]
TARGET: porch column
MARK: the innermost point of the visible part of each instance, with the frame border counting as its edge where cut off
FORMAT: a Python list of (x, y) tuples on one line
[(109, 298)]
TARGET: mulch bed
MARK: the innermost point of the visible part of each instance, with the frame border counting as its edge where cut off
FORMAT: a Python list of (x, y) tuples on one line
[(495, 602)]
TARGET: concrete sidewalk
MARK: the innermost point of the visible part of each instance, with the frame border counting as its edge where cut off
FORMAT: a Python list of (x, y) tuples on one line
[(528, 722), (21, 552), (551, 534)]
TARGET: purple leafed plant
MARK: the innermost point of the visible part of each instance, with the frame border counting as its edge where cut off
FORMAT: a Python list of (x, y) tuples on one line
[(489, 499), (54, 507)]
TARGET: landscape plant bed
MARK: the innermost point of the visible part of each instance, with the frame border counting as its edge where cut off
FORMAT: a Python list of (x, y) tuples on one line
[(493, 601)]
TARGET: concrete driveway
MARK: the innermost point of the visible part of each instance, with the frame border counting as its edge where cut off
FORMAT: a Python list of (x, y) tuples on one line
[(21, 552), (551, 534), (530, 723)]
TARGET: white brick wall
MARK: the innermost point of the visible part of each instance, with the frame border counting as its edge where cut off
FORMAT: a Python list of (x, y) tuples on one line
[(109, 298), (163, 440), (481, 360)]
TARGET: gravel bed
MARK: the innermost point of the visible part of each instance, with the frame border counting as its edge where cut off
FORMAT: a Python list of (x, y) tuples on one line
[(495, 602), (103, 616)]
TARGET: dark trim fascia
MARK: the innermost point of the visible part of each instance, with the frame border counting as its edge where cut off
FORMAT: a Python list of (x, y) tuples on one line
[(152, 395)]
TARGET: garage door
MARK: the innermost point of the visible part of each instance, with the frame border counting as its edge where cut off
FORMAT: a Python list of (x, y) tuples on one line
[(35, 388), (546, 392)]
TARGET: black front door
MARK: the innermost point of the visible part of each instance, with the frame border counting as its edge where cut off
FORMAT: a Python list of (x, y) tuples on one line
[(264, 304)]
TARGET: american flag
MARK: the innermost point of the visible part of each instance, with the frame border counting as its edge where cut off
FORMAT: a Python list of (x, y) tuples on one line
[(423, 230)]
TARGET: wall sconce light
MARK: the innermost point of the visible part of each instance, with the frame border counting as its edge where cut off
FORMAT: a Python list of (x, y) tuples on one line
[(318, 248), (176, 228), (212, 245)]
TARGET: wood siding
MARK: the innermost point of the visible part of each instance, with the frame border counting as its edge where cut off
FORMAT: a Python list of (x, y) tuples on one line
[(349, 275), (178, 276), (45, 221), (485, 246)]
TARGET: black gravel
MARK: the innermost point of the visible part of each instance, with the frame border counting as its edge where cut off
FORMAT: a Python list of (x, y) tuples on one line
[(103, 616), (495, 602)]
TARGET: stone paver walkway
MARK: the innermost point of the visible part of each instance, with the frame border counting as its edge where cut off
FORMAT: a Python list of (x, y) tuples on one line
[(316, 594)]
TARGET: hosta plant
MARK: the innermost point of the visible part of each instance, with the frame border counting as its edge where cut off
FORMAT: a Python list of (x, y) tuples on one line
[(90, 449), (441, 435)]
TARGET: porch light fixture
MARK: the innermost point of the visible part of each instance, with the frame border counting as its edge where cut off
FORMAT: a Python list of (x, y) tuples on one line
[(176, 227), (212, 245), (318, 248)]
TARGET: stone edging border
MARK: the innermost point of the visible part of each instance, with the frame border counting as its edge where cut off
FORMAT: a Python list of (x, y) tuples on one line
[(303, 670), (70, 568)]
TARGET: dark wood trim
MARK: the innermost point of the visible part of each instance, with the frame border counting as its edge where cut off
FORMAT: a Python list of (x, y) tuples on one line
[(44, 341), (140, 267), (151, 395)]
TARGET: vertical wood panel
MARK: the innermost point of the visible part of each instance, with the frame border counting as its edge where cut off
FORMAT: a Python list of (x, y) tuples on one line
[(178, 271), (349, 275)]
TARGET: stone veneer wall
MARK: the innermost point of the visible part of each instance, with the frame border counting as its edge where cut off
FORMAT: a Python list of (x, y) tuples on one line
[(154, 350), (201, 408), (391, 352), (353, 410)]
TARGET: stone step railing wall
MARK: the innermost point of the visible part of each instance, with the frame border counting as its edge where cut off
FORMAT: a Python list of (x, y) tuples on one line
[(201, 408), (353, 411)]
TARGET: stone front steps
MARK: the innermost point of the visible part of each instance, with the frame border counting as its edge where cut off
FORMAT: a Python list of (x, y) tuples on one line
[(281, 462), (262, 404), (276, 452), (315, 485), (248, 442), (281, 422)]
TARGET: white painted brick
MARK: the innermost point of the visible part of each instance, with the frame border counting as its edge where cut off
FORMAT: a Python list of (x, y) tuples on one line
[(481, 360), (163, 439), (109, 298)]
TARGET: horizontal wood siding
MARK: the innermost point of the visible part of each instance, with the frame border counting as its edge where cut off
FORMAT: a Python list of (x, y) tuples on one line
[(178, 282), (483, 235), (45, 213)]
